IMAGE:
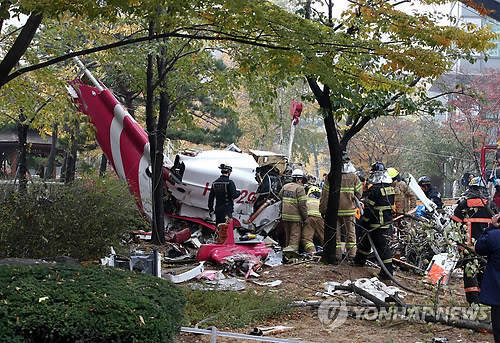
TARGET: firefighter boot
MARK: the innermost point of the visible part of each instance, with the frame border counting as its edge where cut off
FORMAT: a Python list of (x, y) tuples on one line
[(382, 274)]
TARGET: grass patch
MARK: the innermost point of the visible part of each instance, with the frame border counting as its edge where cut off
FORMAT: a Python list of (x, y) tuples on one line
[(231, 309)]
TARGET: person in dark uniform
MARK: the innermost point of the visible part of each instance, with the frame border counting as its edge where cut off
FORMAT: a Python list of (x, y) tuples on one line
[(430, 191), (224, 192), (488, 245), (377, 219), (473, 213)]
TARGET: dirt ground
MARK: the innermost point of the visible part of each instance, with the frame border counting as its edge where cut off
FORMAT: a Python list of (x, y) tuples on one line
[(303, 281)]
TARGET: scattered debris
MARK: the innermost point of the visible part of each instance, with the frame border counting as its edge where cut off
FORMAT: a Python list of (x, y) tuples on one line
[(140, 260), (374, 287), (212, 275), (265, 331), (274, 259), (228, 284), (269, 284), (440, 268), (186, 276)]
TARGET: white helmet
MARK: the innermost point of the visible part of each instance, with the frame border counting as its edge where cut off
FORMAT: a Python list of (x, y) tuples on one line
[(297, 173)]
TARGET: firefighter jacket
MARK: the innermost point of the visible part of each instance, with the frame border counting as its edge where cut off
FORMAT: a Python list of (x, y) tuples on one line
[(313, 206), (433, 194), (379, 202), (350, 189), (224, 192), (488, 244), (293, 202), (473, 213), (404, 199)]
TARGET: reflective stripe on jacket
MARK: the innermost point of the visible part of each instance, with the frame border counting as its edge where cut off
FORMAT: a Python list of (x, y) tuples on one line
[(294, 202), (350, 189), (473, 213), (379, 202), (313, 207)]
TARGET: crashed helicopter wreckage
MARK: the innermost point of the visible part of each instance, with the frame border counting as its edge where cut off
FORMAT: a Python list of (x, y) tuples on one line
[(187, 179)]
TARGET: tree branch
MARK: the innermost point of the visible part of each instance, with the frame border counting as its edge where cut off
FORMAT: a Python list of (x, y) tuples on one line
[(176, 34), (19, 47)]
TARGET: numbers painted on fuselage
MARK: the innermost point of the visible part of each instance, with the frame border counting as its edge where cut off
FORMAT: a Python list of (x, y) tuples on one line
[(245, 196)]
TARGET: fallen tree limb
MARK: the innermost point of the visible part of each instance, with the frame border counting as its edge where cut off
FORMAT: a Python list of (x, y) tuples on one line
[(410, 312)]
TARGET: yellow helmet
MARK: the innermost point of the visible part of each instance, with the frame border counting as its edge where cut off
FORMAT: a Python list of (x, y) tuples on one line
[(393, 172), (313, 189)]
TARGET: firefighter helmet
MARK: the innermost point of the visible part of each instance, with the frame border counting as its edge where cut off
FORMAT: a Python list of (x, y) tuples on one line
[(424, 180), (224, 168), (313, 189), (378, 166), (361, 175), (393, 172), (297, 173), (477, 182)]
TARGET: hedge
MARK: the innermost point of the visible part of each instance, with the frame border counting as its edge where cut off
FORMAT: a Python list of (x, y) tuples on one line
[(73, 303), (81, 220)]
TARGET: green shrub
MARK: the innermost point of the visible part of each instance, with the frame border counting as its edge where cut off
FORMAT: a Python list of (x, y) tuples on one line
[(232, 309), (81, 220), (64, 303)]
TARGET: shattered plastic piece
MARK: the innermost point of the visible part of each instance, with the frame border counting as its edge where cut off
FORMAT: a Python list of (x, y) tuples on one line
[(191, 274), (212, 275), (270, 242), (274, 258), (195, 241), (109, 260), (440, 268), (440, 340), (373, 286), (329, 287), (270, 284), (274, 329), (379, 289)]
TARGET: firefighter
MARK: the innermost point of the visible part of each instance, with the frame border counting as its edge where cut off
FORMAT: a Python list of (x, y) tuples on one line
[(377, 219), (472, 211), (224, 192), (404, 199), (314, 225), (293, 210), (430, 191), (351, 189)]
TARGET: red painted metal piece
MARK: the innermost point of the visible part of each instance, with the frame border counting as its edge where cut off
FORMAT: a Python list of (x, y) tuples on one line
[(218, 252)]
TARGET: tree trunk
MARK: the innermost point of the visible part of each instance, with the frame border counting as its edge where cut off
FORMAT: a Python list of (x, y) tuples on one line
[(71, 157), (52, 155), (334, 180), (316, 163), (157, 220), (22, 134), (104, 165), (64, 166)]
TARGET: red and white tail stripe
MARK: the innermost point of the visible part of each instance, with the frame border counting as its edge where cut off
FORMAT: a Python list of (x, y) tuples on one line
[(121, 138)]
